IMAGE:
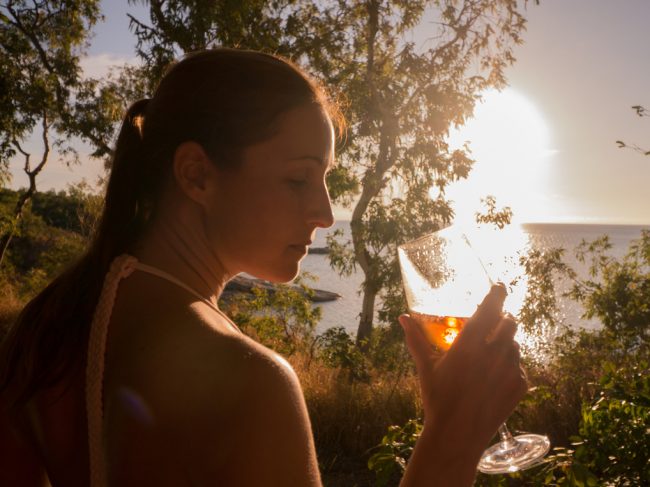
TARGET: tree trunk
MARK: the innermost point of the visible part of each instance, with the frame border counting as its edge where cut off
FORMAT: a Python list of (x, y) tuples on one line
[(367, 315), (5, 239)]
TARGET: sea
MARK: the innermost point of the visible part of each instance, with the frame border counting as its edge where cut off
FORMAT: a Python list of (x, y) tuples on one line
[(344, 312)]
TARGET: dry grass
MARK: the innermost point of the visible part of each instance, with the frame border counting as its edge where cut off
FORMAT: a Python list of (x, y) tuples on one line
[(351, 417)]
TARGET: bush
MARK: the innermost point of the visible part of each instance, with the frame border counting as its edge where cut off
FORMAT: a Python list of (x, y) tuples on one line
[(592, 390), (389, 461), (614, 435), (282, 319), (338, 350), (53, 231)]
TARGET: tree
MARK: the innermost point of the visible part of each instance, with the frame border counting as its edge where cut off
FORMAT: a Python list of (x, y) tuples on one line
[(181, 26), (40, 46), (400, 100)]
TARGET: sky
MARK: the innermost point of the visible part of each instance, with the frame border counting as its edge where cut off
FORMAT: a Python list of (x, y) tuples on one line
[(546, 146), (577, 75)]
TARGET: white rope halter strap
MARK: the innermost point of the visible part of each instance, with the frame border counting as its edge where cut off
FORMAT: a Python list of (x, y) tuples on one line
[(122, 266)]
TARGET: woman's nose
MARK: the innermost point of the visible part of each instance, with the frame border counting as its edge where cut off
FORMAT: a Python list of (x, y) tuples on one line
[(321, 212)]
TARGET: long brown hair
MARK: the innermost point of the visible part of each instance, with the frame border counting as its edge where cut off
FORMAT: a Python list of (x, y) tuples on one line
[(223, 99)]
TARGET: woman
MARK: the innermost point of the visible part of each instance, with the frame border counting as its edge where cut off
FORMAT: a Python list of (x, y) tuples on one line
[(123, 371)]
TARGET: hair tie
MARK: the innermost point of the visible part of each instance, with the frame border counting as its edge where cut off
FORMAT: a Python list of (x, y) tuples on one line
[(137, 112)]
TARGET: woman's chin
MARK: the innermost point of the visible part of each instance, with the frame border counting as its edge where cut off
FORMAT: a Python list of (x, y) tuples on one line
[(279, 275), (287, 275)]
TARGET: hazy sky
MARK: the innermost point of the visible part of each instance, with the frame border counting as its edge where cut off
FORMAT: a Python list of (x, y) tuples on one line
[(546, 146), (584, 64)]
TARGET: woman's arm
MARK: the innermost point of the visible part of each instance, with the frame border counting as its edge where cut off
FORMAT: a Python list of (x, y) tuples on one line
[(466, 394)]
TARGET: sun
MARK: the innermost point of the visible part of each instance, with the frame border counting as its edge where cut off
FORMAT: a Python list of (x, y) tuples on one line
[(510, 143)]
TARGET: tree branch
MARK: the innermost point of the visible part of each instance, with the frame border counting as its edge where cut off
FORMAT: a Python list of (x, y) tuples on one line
[(46, 150), (33, 39), (26, 154)]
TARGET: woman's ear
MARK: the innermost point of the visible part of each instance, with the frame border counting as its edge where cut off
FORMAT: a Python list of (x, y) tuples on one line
[(194, 172)]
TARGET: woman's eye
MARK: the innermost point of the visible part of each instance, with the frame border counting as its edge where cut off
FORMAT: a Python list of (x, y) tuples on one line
[(297, 182)]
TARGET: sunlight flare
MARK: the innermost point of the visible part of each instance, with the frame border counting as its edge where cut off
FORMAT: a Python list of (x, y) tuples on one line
[(511, 144)]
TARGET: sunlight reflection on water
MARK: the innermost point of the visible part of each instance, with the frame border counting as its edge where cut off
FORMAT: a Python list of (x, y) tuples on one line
[(500, 251)]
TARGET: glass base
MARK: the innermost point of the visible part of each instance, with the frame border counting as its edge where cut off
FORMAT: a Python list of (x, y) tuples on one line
[(518, 453)]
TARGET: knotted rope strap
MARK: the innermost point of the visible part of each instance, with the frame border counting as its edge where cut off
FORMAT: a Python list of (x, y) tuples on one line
[(121, 267)]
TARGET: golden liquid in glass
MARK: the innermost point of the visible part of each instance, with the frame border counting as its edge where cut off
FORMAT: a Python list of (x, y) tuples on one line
[(440, 330)]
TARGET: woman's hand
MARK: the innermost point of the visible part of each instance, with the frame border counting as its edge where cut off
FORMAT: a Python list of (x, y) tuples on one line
[(470, 390)]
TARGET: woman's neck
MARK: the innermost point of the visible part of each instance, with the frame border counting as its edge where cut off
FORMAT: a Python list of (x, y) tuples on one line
[(178, 245)]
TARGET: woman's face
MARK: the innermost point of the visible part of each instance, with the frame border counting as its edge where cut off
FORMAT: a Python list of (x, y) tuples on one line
[(268, 209)]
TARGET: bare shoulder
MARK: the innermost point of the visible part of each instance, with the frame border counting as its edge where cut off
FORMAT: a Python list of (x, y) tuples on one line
[(256, 428), (270, 441), (222, 402)]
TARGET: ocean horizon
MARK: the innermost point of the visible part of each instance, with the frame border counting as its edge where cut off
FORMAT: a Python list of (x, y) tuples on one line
[(345, 311)]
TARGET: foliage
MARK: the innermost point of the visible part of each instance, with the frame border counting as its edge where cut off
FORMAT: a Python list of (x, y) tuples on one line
[(400, 100), (39, 65), (282, 319), (182, 26), (384, 352), (499, 218), (617, 290), (389, 461), (544, 270), (611, 447), (615, 430), (592, 388), (40, 252), (337, 349), (75, 209), (53, 231), (100, 105), (40, 46), (350, 416)]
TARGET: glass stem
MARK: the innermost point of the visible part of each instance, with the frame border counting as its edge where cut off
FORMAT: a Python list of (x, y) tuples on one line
[(507, 440)]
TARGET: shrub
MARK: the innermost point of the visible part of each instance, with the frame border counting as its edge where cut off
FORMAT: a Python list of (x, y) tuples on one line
[(389, 461), (592, 391), (338, 350), (282, 319), (614, 435)]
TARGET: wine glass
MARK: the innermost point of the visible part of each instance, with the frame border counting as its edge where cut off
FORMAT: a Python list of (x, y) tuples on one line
[(444, 281)]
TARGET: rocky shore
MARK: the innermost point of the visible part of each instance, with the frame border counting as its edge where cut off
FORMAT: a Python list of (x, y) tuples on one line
[(319, 250), (242, 284)]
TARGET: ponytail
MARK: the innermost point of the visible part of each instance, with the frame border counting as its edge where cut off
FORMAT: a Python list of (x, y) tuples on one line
[(126, 206), (43, 345)]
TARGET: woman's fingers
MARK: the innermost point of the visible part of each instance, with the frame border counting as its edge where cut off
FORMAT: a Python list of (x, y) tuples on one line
[(506, 329), (416, 341), (481, 371), (481, 324), (502, 345)]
